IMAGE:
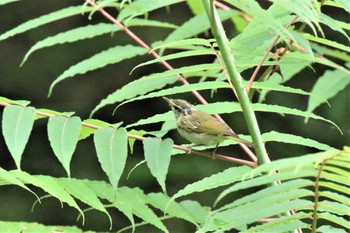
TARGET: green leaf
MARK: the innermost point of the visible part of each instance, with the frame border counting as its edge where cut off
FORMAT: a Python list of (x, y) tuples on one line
[(73, 35), (8, 178), (225, 177), (333, 24), (282, 224), (112, 150), (210, 85), (135, 88), (82, 192), (157, 155), (49, 185), (150, 23), (294, 139), (45, 19), (264, 17), (140, 7), (102, 59), (184, 54), (328, 85), (182, 44), (3, 2), (335, 219), (63, 136), (328, 42), (160, 201), (17, 124), (196, 25), (239, 218), (137, 201), (196, 7), (327, 229)]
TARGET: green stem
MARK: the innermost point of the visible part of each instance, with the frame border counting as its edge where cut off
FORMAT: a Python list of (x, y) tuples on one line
[(236, 79)]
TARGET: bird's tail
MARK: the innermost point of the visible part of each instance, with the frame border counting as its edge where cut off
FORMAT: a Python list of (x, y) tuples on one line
[(240, 140)]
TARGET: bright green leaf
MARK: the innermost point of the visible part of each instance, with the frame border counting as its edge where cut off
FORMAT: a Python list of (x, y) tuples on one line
[(225, 177), (135, 88), (63, 136), (73, 35), (17, 124), (49, 185), (112, 150), (45, 19), (82, 192), (102, 59), (294, 139), (157, 155), (328, 85)]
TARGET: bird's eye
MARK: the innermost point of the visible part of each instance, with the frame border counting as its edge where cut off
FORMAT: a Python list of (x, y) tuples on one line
[(178, 108)]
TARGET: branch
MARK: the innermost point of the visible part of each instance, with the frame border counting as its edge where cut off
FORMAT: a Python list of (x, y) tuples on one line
[(186, 149)]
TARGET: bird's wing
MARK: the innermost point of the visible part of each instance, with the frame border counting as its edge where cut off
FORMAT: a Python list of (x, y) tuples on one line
[(203, 122)]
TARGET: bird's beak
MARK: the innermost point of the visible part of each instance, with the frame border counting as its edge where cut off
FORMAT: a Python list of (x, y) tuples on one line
[(167, 100)]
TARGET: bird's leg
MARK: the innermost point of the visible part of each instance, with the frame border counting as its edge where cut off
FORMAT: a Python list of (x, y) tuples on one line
[(214, 152)]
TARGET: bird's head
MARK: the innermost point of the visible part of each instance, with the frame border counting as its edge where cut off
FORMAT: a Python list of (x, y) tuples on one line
[(180, 107)]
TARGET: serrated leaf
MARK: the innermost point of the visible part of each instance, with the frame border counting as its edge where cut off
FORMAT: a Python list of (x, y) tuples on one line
[(45, 19), (225, 177), (157, 155), (184, 54), (8, 178), (63, 135), (281, 224), (328, 85), (135, 88), (180, 44), (112, 150), (335, 219), (294, 139), (196, 25), (210, 85), (49, 185), (99, 60), (160, 201), (3, 2), (263, 17), (150, 23), (239, 218), (17, 124), (327, 229), (136, 8), (73, 35), (82, 192), (137, 200)]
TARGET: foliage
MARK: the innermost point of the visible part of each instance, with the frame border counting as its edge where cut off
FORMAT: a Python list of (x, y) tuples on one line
[(307, 192)]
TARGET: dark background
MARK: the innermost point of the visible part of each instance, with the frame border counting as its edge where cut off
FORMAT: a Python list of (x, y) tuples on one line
[(83, 92)]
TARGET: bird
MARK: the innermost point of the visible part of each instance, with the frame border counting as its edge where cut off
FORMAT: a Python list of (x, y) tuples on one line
[(200, 127)]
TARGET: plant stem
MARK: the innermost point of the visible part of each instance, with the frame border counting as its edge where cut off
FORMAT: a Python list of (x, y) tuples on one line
[(236, 79)]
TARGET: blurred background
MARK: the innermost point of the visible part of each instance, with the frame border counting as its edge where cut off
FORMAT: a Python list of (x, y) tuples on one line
[(83, 92)]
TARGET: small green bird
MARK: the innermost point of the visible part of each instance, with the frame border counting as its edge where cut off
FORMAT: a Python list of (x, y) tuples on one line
[(199, 127)]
